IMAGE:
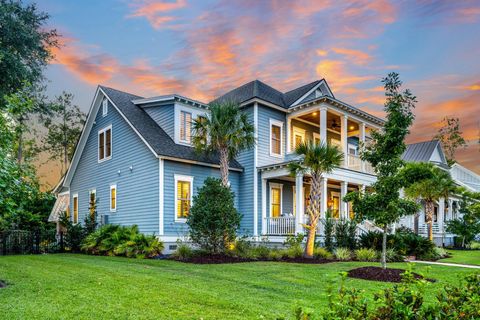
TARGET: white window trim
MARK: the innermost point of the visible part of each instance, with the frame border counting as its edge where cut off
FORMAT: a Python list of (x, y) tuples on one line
[(113, 186), (104, 107), (276, 185), (297, 131), (180, 128), (179, 177), (75, 195), (104, 130), (277, 123), (196, 112)]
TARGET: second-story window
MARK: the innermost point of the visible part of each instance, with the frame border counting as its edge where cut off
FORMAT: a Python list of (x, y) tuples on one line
[(105, 144), (104, 107), (276, 138), (185, 126)]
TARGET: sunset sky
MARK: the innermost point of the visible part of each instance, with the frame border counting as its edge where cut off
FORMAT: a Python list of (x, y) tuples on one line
[(203, 48)]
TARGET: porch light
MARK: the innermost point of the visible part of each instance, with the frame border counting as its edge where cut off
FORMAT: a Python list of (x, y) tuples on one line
[(314, 114), (352, 127)]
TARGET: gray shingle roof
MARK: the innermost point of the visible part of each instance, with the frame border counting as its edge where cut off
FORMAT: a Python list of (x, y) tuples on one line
[(421, 151), (258, 89), (153, 134)]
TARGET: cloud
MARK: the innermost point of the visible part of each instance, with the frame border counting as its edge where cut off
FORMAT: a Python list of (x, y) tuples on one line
[(356, 56), (154, 11)]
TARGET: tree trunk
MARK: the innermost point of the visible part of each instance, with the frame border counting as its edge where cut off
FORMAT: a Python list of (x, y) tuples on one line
[(384, 248), (224, 166), (65, 160), (314, 214), (429, 208)]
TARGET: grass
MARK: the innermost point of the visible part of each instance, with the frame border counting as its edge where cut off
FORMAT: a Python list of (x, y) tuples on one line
[(463, 257), (66, 286)]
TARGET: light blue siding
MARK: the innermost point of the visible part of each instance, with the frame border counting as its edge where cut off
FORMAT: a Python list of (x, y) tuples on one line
[(164, 116), (137, 189), (199, 174), (264, 116)]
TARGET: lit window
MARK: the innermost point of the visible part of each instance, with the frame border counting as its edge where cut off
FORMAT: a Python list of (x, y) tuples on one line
[(75, 208), (113, 198), (185, 126), (183, 196), (275, 200), (105, 144), (298, 137), (92, 202), (104, 107), (276, 137)]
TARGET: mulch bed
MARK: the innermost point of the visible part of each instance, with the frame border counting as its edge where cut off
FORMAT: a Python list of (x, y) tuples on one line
[(380, 274), (219, 259), (3, 284)]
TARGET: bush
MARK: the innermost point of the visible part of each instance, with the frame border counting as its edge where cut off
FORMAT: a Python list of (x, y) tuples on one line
[(293, 252), (366, 254), (474, 245), (322, 253), (118, 240), (183, 252), (275, 254), (343, 254), (346, 234), (373, 240), (392, 256), (213, 219), (328, 226), (294, 240), (240, 248), (261, 252), (74, 234)]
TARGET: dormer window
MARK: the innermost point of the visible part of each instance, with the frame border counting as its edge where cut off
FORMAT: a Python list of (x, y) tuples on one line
[(104, 107), (185, 126)]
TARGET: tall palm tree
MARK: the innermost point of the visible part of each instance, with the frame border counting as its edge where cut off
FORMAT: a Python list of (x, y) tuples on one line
[(226, 131), (428, 183), (316, 160)]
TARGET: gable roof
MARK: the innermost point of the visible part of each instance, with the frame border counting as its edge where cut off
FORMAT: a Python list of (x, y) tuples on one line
[(259, 89), (152, 133), (423, 151)]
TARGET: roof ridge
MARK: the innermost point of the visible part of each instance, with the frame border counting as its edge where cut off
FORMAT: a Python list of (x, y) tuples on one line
[(121, 91)]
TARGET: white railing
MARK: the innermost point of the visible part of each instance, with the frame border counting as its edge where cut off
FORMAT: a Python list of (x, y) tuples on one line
[(280, 225), (354, 162), (369, 168), (423, 228)]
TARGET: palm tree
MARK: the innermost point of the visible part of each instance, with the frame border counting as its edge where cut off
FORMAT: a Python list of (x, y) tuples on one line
[(428, 183), (316, 160), (226, 131)]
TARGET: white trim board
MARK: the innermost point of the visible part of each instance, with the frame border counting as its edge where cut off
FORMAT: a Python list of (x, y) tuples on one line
[(180, 177)]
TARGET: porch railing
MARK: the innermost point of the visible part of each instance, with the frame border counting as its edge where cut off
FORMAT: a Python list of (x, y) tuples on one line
[(280, 225), (354, 162), (423, 228)]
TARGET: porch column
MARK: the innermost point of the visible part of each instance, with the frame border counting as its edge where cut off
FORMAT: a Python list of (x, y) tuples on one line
[(323, 203), (362, 141), (264, 206), (344, 139), (450, 210), (323, 125), (441, 213), (299, 210), (344, 205)]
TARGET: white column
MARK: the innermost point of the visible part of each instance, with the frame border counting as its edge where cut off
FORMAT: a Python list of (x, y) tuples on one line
[(450, 210), (289, 128), (299, 211), (264, 206), (362, 140), (324, 190), (344, 139), (441, 213), (344, 205), (323, 125)]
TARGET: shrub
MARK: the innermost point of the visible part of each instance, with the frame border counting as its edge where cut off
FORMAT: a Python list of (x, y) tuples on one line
[(294, 240), (345, 234), (373, 240), (183, 252), (93, 241), (474, 245), (261, 252), (74, 234), (275, 254), (406, 242), (461, 302), (140, 246), (328, 226), (240, 248), (322, 253), (366, 254), (343, 254), (213, 219), (294, 252), (393, 256)]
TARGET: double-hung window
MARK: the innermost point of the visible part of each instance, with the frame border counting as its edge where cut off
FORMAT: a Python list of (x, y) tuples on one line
[(275, 200), (276, 130), (105, 144), (75, 208), (183, 196), (185, 126), (104, 107)]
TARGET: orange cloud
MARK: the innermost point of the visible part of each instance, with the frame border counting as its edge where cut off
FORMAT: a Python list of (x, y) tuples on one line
[(153, 11), (337, 74), (468, 15), (356, 56), (380, 8)]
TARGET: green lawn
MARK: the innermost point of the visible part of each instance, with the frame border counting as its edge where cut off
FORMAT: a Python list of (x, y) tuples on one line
[(463, 256), (87, 287)]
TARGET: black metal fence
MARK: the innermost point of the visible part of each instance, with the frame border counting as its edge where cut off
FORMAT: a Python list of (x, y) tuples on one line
[(30, 242)]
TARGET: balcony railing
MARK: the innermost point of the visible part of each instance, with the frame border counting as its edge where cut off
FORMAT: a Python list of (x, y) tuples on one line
[(354, 162), (423, 228)]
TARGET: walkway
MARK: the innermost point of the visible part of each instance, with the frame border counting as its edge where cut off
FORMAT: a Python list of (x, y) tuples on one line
[(447, 264)]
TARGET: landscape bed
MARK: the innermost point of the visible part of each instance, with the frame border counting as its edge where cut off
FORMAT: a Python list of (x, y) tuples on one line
[(63, 286)]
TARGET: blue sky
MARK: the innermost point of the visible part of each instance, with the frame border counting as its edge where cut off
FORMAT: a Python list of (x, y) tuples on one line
[(203, 48)]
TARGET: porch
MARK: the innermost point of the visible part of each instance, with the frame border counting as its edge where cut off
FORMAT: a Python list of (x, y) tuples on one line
[(284, 199)]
